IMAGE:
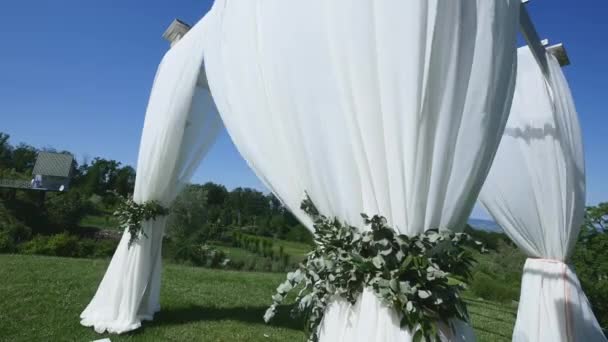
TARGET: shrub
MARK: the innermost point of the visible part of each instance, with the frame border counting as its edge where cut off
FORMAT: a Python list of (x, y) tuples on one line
[(201, 255), (37, 245), (11, 235), (67, 245), (299, 233), (490, 288), (12, 231), (251, 265), (7, 245), (90, 248), (64, 244), (104, 248), (57, 245), (65, 211)]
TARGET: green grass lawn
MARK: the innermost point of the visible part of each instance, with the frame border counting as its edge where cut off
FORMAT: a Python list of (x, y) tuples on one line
[(41, 299)]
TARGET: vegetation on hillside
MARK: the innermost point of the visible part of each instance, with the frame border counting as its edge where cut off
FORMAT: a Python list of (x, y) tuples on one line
[(239, 229), (79, 223)]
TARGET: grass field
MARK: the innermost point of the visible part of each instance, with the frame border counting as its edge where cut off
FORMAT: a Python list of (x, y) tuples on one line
[(42, 297)]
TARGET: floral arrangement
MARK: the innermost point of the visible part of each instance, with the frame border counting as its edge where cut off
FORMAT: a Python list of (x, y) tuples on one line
[(130, 215), (419, 276)]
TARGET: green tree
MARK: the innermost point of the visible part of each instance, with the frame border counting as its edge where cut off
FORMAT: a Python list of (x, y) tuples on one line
[(591, 260), (24, 158), (5, 152), (100, 177), (189, 216), (596, 218), (216, 194), (64, 211), (124, 182)]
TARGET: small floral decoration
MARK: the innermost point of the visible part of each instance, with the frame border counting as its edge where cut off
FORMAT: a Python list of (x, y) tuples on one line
[(419, 276), (131, 215)]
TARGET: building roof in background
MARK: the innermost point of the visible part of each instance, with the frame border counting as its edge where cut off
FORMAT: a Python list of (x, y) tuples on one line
[(53, 164)]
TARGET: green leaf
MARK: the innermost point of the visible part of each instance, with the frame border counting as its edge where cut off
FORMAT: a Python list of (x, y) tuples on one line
[(418, 335)]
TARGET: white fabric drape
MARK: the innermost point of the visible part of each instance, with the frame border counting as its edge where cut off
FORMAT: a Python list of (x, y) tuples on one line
[(389, 107), (181, 124), (536, 192)]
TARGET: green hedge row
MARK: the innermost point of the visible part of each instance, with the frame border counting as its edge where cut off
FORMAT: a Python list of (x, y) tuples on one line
[(67, 245)]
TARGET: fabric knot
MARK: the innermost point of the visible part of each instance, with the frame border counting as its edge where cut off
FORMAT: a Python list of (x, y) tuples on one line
[(552, 261)]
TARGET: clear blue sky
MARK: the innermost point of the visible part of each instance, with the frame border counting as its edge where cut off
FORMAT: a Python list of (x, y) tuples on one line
[(75, 75)]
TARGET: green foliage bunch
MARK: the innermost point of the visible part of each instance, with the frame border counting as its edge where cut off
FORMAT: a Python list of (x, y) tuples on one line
[(410, 274), (131, 215)]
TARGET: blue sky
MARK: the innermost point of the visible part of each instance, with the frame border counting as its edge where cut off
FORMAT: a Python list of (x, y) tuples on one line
[(75, 75)]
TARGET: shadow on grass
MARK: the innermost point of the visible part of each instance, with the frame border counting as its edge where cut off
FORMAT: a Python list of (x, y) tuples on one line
[(489, 306), (509, 323), (199, 313)]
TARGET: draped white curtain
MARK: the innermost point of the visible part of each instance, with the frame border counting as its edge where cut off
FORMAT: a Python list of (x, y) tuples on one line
[(382, 107), (536, 192), (181, 124)]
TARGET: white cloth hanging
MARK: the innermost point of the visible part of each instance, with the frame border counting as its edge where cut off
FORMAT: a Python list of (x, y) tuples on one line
[(379, 107), (536, 192), (181, 124)]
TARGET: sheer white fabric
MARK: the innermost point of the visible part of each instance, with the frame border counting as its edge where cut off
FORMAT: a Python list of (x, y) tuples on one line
[(181, 124), (389, 107), (536, 192)]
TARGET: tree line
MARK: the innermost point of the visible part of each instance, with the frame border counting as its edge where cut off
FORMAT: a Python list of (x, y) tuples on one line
[(206, 210)]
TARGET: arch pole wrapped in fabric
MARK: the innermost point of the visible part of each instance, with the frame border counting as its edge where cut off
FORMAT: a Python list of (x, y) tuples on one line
[(181, 124), (380, 107), (536, 192)]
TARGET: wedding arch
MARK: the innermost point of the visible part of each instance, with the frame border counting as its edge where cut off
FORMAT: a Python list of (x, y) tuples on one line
[(388, 108)]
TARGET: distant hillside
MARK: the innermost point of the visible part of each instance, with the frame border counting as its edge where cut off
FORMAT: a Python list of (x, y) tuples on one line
[(487, 225)]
